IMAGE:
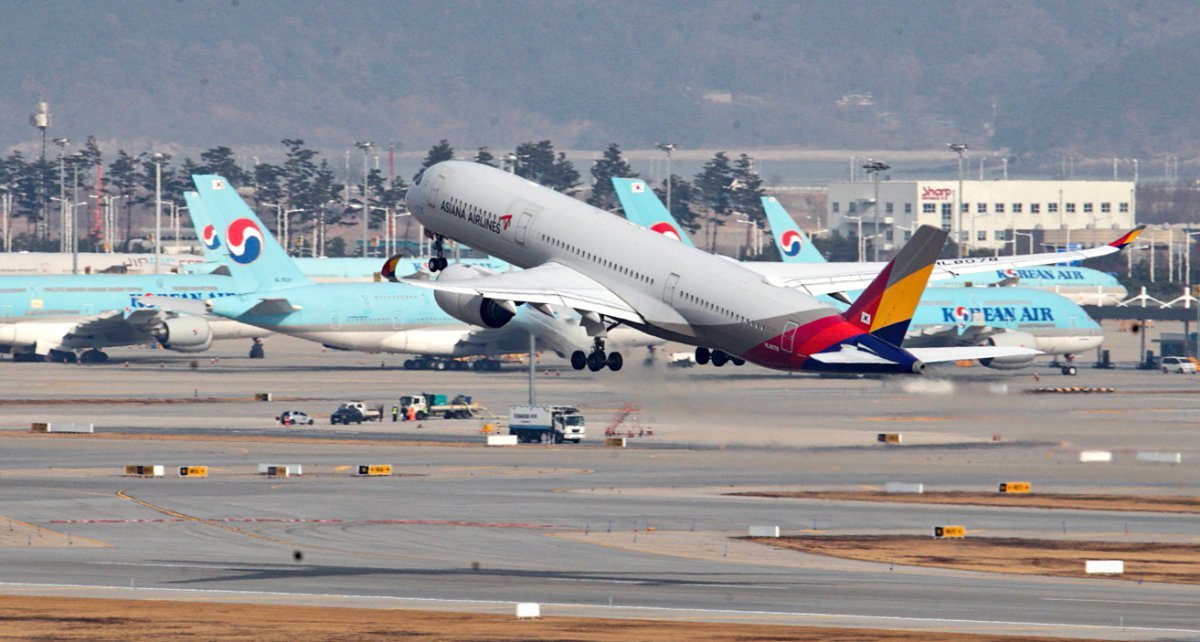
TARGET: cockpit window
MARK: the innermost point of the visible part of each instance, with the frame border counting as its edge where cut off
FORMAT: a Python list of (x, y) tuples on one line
[(417, 178)]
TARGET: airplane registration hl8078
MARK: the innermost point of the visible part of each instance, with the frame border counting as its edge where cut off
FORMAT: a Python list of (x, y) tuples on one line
[(616, 273)]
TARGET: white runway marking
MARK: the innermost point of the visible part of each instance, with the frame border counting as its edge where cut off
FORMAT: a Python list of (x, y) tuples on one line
[(603, 607), (1084, 599)]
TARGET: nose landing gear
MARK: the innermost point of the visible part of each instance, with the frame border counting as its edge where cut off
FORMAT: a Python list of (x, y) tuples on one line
[(438, 262)]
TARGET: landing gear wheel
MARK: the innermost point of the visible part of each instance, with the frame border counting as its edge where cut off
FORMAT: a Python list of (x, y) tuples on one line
[(615, 361), (93, 356), (719, 358), (61, 356), (256, 351), (1069, 371), (579, 360), (596, 361), (703, 355), (738, 361), (438, 262)]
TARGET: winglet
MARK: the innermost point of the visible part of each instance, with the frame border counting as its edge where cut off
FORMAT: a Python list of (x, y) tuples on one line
[(1128, 237), (886, 307)]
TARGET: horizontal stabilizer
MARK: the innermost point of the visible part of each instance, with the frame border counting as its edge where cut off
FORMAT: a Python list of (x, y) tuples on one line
[(848, 356), (268, 307), (965, 353)]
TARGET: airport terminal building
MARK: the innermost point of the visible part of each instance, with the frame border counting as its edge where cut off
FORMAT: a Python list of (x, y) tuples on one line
[(986, 214)]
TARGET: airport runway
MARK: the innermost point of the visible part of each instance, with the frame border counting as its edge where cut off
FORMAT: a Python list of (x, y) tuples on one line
[(467, 527)]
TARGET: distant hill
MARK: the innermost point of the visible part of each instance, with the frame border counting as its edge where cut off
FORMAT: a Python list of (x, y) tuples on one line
[(1104, 77)]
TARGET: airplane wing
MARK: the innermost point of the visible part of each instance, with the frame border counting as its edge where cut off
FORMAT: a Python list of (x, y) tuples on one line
[(120, 326), (926, 355), (826, 278), (550, 283)]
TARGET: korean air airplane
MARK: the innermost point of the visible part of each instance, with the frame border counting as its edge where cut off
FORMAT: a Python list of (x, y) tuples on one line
[(371, 317), (322, 269), (945, 316), (614, 272), (74, 317)]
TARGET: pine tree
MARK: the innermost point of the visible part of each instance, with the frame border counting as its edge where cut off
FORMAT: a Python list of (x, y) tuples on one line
[(436, 154), (123, 179), (610, 165), (715, 185), (221, 161), (539, 163), (683, 196), (485, 157)]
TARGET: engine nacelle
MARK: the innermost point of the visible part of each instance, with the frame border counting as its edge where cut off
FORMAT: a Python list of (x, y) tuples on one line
[(185, 334), (470, 308), (1010, 340)]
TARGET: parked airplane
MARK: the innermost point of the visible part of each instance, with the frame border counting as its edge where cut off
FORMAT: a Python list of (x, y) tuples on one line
[(322, 269), (370, 317), (1010, 316), (1080, 284), (53, 317), (581, 257)]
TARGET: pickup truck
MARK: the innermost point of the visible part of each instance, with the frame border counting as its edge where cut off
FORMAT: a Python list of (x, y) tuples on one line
[(355, 412)]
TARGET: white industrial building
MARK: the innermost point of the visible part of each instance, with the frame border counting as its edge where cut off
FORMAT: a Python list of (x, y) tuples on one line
[(989, 215)]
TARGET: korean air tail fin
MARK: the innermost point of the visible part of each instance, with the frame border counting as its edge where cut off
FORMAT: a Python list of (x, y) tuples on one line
[(229, 228), (886, 307), (642, 206), (794, 245)]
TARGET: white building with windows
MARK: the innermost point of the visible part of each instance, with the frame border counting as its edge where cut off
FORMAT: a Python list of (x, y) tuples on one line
[(987, 215)]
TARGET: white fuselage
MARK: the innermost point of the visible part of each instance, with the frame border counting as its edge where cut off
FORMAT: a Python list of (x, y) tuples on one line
[(681, 293)]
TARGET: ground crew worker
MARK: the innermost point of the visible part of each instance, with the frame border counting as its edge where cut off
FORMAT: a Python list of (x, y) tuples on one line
[(395, 413), (412, 413)]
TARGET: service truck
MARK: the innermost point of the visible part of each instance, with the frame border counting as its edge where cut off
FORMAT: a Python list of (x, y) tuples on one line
[(539, 422), (428, 404), (355, 412)]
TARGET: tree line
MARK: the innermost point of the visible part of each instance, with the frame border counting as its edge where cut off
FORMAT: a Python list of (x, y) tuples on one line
[(307, 185)]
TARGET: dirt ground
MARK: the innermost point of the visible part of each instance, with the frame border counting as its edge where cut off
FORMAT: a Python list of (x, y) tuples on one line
[(1150, 504), (1174, 563), (47, 618)]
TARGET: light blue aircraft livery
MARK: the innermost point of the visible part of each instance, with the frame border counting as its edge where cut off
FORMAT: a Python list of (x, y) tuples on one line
[(945, 316), (66, 318), (371, 317)]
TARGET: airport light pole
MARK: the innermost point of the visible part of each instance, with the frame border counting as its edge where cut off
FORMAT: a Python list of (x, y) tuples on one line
[(858, 223), (961, 150), (6, 209), (365, 146), (873, 168), (157, 159), (62, 193), (668, 148)]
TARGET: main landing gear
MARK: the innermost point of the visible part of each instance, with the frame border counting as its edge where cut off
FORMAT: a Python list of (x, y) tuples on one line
[(597, 360), (93, 356), (717, 357), (438, 262)]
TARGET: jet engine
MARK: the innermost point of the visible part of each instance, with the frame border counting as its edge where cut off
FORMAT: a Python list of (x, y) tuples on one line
[(472, 308), (185, 334), (1010, 340)]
